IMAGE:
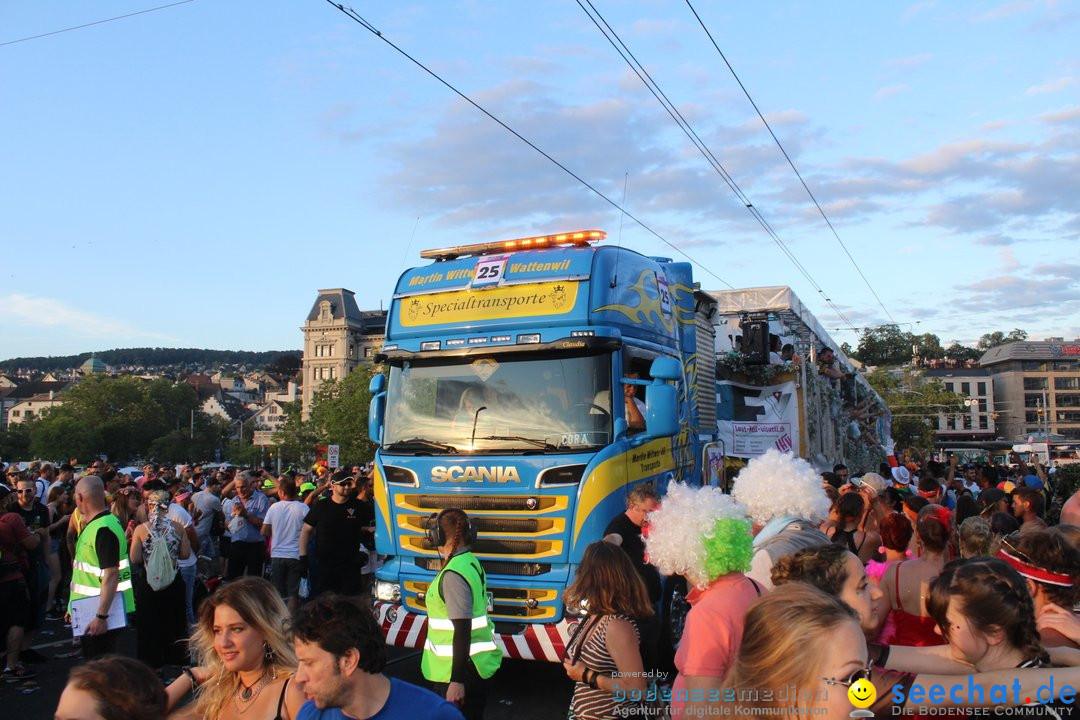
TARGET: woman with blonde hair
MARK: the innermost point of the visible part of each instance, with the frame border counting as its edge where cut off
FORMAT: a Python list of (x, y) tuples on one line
[(976, 538), (797, 636), (603, 657), (246, 658)]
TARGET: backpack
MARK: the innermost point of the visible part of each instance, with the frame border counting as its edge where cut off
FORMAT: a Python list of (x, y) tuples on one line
[(161, 569)]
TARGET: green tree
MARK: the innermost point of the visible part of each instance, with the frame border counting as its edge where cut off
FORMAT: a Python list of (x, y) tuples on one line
[(285, 364), (996, 338), (915, 402), (339, 411), (962, 352), (121, 418), (296, 439), (242, 452), (929, 345), (15, 442), (884, 346)]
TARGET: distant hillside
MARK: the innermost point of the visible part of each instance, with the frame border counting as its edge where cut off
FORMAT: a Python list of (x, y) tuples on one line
[(152, 358)]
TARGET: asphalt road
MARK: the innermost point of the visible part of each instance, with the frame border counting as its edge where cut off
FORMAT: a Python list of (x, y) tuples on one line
[(521, 690)]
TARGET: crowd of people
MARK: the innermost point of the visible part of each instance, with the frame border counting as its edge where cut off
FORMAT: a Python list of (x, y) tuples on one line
[(73, 543), (803, 584), (799, 586)]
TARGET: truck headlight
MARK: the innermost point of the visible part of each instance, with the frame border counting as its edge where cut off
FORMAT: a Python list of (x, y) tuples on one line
[(387, 591), (580, 610)]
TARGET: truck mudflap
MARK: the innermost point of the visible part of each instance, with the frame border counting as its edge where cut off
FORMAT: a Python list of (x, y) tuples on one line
[(541, 641)]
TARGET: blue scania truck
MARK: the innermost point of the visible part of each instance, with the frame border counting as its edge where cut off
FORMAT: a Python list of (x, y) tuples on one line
[(507, 364)]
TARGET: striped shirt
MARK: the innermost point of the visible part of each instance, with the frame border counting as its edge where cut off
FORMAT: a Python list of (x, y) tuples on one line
[(588, 703)]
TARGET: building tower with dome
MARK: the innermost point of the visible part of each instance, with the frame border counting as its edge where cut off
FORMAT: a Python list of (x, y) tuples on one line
[(338, 337)]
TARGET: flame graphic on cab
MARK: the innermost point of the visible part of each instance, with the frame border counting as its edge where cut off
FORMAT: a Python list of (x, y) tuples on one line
[(648, 309)]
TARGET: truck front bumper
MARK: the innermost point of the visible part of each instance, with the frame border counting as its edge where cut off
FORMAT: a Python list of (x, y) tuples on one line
[(540, 641)]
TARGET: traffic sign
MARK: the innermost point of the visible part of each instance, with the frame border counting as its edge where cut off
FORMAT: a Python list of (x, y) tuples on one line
[(333, 456)]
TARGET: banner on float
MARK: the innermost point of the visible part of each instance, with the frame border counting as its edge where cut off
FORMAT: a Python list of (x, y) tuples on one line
[(753, 419)]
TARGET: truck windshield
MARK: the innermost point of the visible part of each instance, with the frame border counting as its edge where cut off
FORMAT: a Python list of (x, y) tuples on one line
[(499, 404)]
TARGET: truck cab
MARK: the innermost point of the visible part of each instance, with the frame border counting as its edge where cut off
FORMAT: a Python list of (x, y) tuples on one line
[(514, 370)]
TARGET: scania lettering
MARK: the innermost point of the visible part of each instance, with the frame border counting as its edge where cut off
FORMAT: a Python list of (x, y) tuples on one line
[(474, 474), (506, 367)]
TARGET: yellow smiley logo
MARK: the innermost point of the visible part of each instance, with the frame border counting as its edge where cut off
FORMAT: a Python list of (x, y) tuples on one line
[(862, 693)]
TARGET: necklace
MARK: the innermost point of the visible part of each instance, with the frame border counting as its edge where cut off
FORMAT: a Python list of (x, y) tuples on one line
[(248, 693)]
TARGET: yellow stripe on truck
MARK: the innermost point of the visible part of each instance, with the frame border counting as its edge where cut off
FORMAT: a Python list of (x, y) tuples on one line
[(635, 464), (382, 499)]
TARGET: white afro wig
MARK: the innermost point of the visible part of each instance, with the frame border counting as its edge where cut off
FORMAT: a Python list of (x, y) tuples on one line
[(699, 533), (779, 484)]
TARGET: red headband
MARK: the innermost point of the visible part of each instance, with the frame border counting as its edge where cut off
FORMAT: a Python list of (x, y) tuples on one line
[(927, 493), (1035, 573), (942, 515)]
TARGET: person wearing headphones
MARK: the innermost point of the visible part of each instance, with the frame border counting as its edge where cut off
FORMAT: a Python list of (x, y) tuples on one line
[(460, 655)]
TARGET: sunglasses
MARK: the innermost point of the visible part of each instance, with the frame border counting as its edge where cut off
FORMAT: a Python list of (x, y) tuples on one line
[(28, 491), (345, 482), (1009, 543), (860, 674)]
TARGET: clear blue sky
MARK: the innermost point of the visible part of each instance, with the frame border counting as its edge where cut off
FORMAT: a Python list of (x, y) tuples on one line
[(191, 176)]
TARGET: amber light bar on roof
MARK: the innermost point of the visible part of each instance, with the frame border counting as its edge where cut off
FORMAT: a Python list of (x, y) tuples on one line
[(579, 238)]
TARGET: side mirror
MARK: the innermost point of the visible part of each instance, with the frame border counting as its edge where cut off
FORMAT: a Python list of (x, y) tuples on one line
[(665, 368), (377, 384), (661, 409), (377, 408)]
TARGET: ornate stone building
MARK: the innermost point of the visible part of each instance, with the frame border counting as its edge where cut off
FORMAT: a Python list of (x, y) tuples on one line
[(338, 337)]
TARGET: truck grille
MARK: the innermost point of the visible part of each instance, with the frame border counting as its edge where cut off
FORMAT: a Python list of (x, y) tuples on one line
[(494, 567), (509, 528), (516, 603), (435, 503)]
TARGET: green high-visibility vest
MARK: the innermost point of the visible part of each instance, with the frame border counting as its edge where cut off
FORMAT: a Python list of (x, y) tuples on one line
[(438, 657), (86, 570)]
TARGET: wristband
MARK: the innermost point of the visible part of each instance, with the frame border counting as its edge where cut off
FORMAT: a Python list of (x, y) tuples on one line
[(99, 616), (191, 676)]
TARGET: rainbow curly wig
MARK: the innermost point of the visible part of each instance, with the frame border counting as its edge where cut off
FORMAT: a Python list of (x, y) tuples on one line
[(699, 533)]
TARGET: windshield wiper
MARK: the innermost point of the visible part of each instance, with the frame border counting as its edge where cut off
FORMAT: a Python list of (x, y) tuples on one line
[(538, 443), (419, 443)]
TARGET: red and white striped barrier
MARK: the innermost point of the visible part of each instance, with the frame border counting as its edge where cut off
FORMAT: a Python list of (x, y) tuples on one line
[(546, 642)]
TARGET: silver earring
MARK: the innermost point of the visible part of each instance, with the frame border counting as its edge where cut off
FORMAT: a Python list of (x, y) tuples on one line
[(268, 652)]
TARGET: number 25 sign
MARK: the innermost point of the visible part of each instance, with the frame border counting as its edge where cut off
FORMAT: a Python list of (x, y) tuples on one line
[(489, 270)]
